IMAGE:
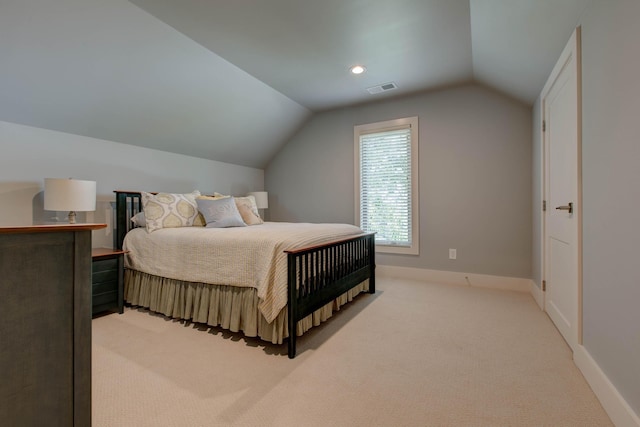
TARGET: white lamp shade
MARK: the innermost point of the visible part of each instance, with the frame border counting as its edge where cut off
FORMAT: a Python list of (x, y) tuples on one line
[(262, 199), (69, 195)]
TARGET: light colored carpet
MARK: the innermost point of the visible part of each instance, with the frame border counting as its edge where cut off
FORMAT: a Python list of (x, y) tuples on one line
[(413, 354)]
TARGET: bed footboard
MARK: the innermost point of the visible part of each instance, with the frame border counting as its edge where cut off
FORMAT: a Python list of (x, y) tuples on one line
[(320, 274)]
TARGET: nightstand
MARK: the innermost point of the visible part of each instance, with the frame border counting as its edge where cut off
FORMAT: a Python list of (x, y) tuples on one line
[(107, 280)]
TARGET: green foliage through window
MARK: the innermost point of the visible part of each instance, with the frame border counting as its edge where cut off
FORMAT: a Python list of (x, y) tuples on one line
[(385, 186)]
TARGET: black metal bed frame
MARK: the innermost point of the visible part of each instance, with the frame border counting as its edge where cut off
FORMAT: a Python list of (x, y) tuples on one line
[(316, 275)]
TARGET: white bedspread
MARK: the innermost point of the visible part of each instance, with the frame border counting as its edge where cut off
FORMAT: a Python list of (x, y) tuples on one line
[(240, 256)]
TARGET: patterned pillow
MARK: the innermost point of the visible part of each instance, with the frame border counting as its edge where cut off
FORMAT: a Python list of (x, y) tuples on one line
[(220, 213), (168, 210), (249, 210), (216, 196), (199, 221)]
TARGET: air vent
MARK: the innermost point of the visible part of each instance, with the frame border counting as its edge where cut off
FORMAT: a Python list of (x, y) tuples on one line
[(382, 88)]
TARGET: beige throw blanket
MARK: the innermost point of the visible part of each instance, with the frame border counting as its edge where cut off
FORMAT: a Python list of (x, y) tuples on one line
[(239, 256)]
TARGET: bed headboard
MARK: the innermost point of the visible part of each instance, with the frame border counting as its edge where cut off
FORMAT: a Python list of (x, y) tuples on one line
[(128, 203)]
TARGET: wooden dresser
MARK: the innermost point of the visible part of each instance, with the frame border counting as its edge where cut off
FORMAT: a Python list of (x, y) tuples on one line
[(45, 333)]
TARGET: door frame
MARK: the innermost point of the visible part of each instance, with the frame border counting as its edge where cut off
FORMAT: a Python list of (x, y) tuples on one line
[(573, 48)]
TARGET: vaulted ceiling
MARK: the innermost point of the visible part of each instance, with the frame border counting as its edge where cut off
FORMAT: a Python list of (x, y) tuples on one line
[(233, 80)]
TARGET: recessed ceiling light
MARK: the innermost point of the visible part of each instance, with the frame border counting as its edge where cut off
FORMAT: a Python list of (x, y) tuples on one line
[(357, 69)]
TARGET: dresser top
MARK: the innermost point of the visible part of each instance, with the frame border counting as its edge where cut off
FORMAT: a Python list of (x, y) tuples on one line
[(49, 228)]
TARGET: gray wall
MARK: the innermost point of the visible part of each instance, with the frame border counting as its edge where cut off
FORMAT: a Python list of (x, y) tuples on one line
[(475, 177), (28, 155), (611, 195), (537, 152)]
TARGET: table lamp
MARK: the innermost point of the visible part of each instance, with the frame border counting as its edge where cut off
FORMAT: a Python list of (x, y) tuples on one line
[(71, 195), (262, 199)]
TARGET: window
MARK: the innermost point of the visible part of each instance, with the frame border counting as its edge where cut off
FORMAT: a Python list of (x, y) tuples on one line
[(386, 183)]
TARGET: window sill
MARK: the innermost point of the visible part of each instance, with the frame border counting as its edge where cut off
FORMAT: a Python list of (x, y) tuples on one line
[(402, 250)]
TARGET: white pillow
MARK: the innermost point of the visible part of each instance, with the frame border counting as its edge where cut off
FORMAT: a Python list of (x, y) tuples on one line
[(139, 220)]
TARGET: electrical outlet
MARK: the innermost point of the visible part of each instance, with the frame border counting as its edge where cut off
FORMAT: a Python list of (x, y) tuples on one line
[(453, 254)]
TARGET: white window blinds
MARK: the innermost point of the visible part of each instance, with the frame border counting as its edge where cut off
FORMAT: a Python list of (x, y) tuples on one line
[(385, 186)]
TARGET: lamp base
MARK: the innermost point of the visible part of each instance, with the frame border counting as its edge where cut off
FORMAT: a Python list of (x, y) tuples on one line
[(72, 217)]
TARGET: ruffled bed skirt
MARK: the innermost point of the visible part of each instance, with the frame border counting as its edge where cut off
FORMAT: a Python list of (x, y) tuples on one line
[(228, 307)]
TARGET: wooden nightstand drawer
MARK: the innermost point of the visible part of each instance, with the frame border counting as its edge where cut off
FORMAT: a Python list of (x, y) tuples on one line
[(107, 280), (102, 265), (105, 298), (105, 276), (107, 286)]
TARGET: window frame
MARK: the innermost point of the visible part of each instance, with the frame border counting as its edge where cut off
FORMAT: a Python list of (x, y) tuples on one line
[(389, 125)]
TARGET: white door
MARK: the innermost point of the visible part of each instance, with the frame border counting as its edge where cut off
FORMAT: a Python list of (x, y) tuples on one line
[(561, 113)]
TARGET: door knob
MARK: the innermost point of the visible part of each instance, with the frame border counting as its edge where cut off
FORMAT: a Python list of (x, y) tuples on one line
[(568, 208)]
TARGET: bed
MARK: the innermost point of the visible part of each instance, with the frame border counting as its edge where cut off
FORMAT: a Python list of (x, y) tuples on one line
[(274, 281)]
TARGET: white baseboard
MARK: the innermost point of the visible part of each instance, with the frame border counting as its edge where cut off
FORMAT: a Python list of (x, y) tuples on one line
[(621, 414), (455, 278), (537, 294)]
